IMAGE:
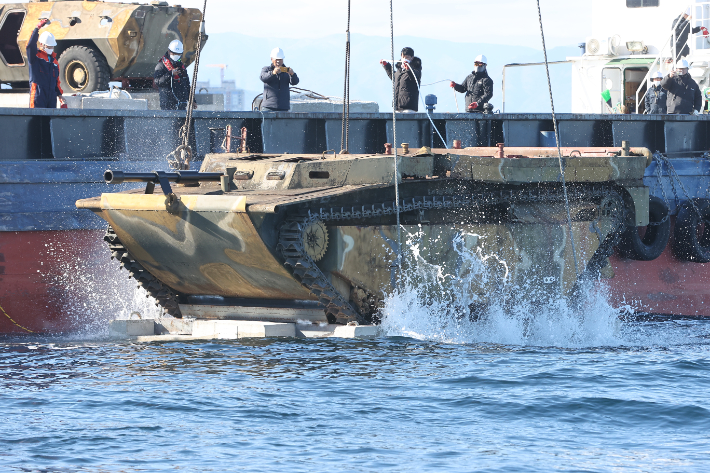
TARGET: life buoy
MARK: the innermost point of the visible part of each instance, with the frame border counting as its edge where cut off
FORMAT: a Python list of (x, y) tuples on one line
[(689, 243), (654, 241)]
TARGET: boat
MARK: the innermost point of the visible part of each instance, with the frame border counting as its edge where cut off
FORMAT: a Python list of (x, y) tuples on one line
[(60, 157)]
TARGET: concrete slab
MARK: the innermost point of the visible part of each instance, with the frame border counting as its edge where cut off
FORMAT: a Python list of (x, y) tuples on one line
[(356, 331), (167, 329), (131, 328)]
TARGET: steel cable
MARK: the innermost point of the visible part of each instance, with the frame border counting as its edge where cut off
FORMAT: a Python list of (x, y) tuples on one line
[(557, 140), (394, 138), (345, 127)]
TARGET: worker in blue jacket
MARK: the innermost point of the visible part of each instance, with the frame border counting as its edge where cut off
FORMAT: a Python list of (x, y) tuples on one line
[(45, 88), (277, 80)]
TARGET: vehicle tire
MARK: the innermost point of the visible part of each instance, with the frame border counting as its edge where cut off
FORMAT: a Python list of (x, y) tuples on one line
[(83, 69), (690, 243), (654, 241)]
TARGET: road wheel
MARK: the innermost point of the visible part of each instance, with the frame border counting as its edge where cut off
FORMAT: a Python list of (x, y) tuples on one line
[(83, 69)]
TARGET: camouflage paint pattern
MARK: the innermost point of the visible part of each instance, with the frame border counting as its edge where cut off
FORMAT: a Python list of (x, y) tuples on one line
[(226, 244)]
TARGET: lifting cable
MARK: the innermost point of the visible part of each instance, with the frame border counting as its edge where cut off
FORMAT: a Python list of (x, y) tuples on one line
[(557, 140), (394, 140), (345, 127), (427, 110), (183, 153)]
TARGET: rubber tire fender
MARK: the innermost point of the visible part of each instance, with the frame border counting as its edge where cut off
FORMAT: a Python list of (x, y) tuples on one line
[(654, 241), (93, 61), (688, 245)]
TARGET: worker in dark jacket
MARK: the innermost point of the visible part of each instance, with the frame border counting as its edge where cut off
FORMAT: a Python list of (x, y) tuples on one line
[(171, 79), (656, 96), (477, 86), (682, 30), (407, 77), (44, 69), (277, 79), (684, 95)]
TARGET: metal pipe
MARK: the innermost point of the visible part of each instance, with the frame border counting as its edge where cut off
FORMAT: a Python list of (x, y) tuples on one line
[(118, 177)]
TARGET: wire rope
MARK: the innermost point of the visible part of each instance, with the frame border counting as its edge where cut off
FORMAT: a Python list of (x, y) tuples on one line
[(557, 140)]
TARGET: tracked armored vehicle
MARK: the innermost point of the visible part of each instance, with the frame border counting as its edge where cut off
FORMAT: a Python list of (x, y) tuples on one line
[(97, 42), (316, 236)]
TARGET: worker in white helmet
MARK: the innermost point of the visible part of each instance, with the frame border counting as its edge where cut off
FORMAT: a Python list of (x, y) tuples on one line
[(171, 78), (477, 86), (682, 29), (656, 96), (684, 95), (277, 79), (45, 88)]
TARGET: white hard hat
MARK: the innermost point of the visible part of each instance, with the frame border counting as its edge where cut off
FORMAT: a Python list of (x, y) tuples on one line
[(682, 64), (481, 58), (175, 46), (277, 53), (47, 38), (687, 11), (657, 75)]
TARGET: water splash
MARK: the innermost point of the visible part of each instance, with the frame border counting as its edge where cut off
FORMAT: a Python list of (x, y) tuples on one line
[(92, 290), (434, 304)]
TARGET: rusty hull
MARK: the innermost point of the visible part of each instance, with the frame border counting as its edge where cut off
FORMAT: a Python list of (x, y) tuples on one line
[(226, 243)]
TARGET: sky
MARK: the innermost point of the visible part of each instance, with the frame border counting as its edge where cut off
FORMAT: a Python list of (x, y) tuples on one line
[(510, 22)]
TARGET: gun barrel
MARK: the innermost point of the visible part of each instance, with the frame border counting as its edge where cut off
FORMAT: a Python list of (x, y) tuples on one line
[(118, 177)]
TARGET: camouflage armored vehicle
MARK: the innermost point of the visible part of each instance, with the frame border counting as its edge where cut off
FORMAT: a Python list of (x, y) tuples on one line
[(97, 42), (292, 230)]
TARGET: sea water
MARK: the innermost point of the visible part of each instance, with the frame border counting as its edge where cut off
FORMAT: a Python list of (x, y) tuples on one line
[(528, 387)]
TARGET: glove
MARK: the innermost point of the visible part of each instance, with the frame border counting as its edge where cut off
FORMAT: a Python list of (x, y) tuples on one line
[(705, 31), (64, 105), (452, 84), (473, 106), (42, 22), (383, 62)]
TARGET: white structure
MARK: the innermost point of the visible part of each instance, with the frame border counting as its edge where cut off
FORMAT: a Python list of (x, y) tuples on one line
[(631, 40)]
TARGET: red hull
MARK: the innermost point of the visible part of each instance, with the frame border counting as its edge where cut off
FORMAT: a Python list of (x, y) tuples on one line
[(41, 276), (662, 286)]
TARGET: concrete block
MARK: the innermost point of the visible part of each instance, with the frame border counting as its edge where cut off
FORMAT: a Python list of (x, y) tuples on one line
[(131, 328), (164, 326), (215, 329), (249, 329), (356, 331)]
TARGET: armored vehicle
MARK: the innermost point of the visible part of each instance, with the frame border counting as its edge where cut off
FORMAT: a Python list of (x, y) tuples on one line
[(97, 42), (317, 234)]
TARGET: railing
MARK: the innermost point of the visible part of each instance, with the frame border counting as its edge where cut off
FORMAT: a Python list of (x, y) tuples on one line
[(523, 65), (672, 54)]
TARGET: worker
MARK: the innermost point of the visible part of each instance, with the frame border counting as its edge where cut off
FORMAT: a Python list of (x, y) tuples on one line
[(656, 96), (171, 79), (407, 77), (682, 28), (45, 88), (684, 95), (477, 86), (277, 79)]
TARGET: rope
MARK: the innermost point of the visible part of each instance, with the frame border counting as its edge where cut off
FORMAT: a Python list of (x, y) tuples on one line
[(427, 110), (557, 140), (185, 130), (345, 128), (394, 138), (23, 328)]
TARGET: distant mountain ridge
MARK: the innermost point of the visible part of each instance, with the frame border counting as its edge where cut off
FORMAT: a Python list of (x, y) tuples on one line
[(319, 64)]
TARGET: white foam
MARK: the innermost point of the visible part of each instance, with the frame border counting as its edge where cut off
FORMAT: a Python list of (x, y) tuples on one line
[(431, 304)]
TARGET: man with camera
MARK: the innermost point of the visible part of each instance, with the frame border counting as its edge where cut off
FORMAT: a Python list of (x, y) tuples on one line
[(277, 79)]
